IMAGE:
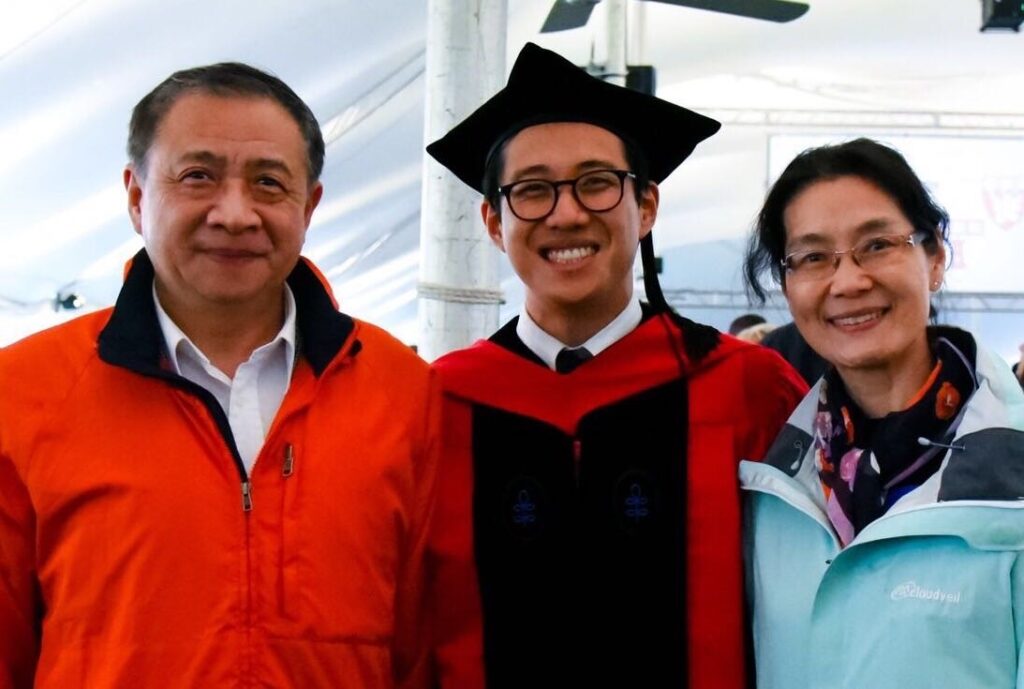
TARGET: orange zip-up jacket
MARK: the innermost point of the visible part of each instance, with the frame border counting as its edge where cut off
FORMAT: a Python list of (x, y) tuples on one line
[(135, 552)]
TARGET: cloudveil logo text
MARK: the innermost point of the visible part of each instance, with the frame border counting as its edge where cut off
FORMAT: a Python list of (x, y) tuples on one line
[(910, 589)]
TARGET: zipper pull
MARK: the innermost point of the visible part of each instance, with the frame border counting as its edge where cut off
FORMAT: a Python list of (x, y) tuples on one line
[(246, 496), (288, 465), (577, 458)]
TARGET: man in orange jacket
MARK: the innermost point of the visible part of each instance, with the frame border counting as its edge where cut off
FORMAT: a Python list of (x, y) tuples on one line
[(221, 481), (588, 519)]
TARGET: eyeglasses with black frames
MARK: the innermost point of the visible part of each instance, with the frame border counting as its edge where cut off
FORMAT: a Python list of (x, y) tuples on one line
[(535, 199), (871, 253)]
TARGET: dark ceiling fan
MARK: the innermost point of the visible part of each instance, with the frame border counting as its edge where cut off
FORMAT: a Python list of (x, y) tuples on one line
[(572, 14)]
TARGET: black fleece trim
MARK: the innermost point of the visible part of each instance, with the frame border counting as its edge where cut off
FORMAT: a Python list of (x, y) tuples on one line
[(789, 449), (133, 339), (323, 330), (987, 465)]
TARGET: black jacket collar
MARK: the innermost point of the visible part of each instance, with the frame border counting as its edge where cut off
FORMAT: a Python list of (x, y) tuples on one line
[(132, 337)]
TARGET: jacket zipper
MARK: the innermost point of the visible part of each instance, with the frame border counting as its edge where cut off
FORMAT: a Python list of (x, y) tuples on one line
[(249, 652), (247, 495), (222, 424), (288, 464)]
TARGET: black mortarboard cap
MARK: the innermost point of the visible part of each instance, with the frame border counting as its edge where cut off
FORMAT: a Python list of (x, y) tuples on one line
[(545, 87)]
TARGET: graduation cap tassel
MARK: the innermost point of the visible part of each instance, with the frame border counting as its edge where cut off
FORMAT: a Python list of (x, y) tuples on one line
[(652, 286), (698, 339)]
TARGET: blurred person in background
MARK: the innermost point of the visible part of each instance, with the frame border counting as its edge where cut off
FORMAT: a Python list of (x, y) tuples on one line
[(790, 344), (743, 322), (755, 333)]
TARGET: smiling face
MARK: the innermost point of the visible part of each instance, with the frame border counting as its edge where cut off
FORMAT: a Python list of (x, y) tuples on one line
[(860, 320), (223, 203), (574, 262)]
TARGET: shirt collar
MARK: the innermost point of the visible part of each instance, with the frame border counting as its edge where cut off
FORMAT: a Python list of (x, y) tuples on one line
[(179, 343), (547, 347)]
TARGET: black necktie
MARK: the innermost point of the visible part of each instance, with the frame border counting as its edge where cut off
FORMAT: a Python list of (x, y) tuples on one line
[(568, 359)]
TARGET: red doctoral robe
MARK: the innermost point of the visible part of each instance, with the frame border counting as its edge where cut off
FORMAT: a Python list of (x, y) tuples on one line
[(587, 527)]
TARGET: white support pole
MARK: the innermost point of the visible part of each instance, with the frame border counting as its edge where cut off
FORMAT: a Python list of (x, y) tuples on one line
[(459, 292), (636, 43), (616, 67)]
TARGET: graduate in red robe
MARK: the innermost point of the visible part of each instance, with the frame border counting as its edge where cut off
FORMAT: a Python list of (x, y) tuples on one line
[(587, 527)]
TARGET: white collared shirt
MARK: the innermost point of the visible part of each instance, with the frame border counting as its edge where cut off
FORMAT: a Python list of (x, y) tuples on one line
[(252, 398), (547, 347)]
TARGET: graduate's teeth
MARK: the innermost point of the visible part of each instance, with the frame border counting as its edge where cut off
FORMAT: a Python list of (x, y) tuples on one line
[(569, 255), (857, 320)]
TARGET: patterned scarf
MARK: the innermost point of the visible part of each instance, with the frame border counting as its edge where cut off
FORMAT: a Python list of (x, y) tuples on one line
[(866, 465)]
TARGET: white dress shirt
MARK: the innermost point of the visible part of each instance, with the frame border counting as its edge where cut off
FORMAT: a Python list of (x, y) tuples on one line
[(252, 398), (547, 347)]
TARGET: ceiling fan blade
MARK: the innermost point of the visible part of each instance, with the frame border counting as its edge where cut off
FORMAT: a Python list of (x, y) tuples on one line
[(568, 14), (769, 10)]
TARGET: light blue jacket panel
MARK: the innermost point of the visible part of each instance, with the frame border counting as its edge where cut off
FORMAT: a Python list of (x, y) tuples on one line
[(929, 595)]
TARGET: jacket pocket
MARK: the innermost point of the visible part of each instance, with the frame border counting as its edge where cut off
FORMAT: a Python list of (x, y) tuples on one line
[(288, 574)]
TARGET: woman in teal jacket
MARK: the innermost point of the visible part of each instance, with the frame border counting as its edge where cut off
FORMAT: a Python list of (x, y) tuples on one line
[(885, 528)]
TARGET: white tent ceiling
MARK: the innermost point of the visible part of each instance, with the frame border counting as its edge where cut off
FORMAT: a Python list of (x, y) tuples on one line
[(70, 71)]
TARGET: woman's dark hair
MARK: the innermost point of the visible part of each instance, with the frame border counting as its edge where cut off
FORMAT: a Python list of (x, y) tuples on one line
[(879, 164)]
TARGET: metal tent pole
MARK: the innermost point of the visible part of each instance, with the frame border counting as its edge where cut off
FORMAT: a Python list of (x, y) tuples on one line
[(459, 292), (617, 29)]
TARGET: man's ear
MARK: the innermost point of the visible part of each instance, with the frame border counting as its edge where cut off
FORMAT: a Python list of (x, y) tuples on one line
[(312, 201), (492, 220), (649, 208), (133, 185)]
